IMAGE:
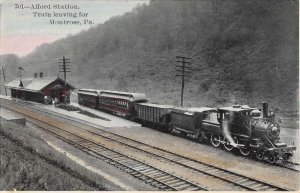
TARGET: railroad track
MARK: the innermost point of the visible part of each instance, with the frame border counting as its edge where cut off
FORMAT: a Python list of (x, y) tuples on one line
[(210, 171), (290, 166), (152, 175)]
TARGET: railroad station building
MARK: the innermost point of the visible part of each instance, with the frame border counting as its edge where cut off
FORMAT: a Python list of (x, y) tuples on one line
[(40, 89)]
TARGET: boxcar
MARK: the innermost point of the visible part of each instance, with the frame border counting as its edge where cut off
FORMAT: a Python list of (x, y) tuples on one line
[(154, 115), (88, 97), (119, 103)]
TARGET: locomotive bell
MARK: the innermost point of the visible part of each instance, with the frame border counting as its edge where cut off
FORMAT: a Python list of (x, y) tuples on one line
[(265, 109)]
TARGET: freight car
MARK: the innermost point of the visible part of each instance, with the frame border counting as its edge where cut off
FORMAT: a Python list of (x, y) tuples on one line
[(153, 115)]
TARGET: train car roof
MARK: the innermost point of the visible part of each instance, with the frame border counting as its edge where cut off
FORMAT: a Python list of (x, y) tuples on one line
[(236, 108), (201, 109), (92, 92), (193, 110), (156, 105), (123, 95)]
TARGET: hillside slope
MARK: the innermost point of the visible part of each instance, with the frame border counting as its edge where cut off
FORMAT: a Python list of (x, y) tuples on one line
[(241, 50)]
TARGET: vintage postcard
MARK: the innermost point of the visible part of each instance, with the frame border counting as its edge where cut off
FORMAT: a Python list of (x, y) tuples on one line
[(149, 95)]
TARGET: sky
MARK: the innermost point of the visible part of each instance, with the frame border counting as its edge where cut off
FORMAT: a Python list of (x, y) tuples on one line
[(26, 24)]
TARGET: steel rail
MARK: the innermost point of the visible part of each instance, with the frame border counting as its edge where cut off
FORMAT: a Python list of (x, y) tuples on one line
[(126, 163)]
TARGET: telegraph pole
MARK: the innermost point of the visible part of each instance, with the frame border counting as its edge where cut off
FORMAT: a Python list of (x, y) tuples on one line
[(2, 71), (183, 70), (64, 66)]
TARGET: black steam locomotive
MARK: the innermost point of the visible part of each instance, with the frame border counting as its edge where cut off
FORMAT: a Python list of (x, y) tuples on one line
[(236, 127)]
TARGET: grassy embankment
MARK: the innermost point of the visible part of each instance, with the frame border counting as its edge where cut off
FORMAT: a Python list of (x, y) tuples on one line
[(28, 163)]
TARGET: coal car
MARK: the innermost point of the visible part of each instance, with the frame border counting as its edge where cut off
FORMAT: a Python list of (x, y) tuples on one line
[(153, 115)]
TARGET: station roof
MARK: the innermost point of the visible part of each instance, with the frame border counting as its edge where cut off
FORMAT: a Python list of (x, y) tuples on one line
[(35, 84)]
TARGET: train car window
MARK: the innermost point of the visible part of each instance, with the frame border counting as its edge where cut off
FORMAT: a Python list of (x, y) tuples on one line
[(213, 117), (226, 115)]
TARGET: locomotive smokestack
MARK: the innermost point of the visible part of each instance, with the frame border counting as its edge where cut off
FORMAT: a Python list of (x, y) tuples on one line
[(265, 109)]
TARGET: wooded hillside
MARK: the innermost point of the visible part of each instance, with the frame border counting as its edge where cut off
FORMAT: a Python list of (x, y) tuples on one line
[(241, 50)]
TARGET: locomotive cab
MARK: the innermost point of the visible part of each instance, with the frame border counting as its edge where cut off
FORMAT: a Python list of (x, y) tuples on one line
[(235, 119)]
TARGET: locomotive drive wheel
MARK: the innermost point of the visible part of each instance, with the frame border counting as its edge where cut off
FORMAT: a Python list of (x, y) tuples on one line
[(259, 155), (215, 140), (245, 151), (227, 144)]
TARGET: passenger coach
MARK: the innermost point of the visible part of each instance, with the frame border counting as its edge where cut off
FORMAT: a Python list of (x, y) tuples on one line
[(88, 97), (119, 103)]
